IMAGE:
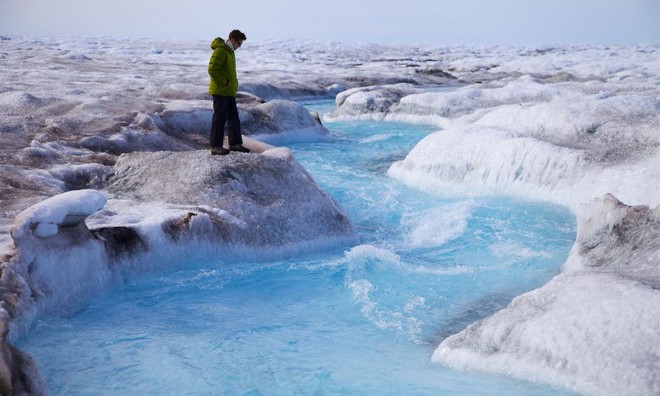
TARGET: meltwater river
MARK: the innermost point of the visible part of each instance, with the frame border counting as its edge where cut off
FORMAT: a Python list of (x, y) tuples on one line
[(359, 320)]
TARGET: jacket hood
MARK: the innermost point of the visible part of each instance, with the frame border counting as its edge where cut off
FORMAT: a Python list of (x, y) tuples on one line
[(216, 43)]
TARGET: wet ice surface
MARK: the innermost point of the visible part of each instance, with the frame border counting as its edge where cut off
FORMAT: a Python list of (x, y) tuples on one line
[(564, 124)]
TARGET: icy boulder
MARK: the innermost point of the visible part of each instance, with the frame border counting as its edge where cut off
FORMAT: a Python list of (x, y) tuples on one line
[(593, 328), (250, 202)]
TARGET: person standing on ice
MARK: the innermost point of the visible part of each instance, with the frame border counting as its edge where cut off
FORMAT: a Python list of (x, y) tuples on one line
[(223, 87)]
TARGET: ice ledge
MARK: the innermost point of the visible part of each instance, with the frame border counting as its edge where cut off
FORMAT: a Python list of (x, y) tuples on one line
[(594, 327)]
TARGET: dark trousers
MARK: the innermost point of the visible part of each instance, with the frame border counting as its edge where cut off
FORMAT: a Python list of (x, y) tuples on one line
[(225, 112)]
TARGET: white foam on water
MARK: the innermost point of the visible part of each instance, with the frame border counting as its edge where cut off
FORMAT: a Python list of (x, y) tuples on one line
[(366, 261), (436, 226), (374, 138), (515, 250)]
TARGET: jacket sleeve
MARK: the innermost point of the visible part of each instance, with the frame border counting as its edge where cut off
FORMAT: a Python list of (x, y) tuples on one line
[(216, 69)]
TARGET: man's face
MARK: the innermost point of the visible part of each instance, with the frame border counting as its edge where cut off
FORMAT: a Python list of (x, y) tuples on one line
[(236, 43)]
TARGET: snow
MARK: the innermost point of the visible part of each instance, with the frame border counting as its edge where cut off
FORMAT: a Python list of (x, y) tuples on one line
[(574, 125), (45, 218)]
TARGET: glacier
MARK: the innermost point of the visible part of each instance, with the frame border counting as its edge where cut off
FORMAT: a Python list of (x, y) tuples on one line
[(95, 131)]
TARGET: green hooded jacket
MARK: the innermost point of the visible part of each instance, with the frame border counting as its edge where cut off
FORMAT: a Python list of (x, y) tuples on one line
[(222, 69)]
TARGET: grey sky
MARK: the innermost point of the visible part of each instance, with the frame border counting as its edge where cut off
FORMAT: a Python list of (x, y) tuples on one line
[(407, 21)]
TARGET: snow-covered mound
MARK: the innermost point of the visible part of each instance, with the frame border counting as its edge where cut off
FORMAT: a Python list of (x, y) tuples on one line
[(593, 328), (45, 218)]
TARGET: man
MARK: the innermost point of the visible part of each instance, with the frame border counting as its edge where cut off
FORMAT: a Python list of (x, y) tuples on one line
[(223, 87)]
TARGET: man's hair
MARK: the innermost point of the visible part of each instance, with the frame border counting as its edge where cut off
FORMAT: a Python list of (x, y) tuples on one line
[(237, 35)]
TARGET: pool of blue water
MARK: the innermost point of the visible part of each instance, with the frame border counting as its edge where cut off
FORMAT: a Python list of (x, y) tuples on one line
[(361, 319)]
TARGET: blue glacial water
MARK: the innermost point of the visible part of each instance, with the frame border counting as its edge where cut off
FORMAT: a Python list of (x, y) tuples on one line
[(359, 320)]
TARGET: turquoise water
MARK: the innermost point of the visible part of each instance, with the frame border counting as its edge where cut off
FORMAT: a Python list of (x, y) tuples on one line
[(359, 319)]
